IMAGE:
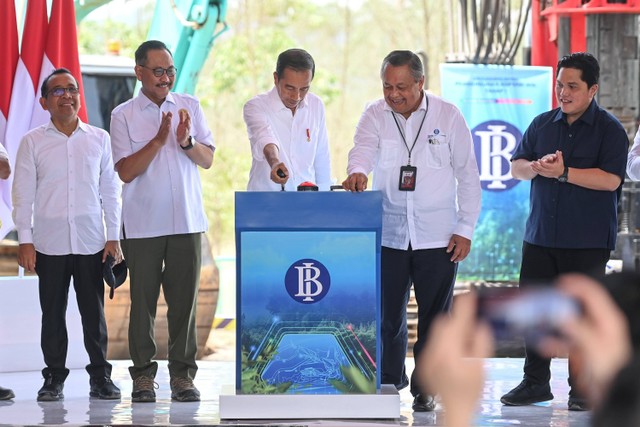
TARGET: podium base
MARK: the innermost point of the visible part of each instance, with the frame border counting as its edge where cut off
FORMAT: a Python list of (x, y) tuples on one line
[(384, 404)]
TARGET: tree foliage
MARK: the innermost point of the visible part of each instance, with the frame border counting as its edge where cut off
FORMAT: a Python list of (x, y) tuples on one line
[(348, 40)]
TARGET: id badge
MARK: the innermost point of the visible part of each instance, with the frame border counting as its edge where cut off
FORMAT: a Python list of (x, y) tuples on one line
[(407, 178)]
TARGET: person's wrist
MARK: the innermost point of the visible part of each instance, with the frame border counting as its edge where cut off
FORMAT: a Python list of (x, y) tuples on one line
[(189, 144), (274, 164)]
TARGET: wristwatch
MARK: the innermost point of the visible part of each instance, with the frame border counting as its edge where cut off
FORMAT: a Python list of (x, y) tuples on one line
[(190, 146), (565, 175)]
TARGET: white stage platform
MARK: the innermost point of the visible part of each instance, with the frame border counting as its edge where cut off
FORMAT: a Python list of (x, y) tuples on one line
[(385, 404), (79, 410)]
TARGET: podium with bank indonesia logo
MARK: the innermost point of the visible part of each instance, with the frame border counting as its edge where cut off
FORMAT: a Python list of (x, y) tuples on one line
[(308, 298)]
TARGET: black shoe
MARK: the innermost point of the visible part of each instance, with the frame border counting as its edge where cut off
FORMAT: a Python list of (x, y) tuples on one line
[(51, 391), (103, 388), (403, 384), (423, 403), (183, 390), (144, 389), (577, 402), (6, 394), (527, 393)]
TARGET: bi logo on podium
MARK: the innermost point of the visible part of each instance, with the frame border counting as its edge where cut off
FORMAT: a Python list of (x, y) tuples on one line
[(307, 281)]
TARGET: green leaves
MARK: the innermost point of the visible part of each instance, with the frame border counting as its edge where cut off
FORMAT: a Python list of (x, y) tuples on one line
[(355, 382)]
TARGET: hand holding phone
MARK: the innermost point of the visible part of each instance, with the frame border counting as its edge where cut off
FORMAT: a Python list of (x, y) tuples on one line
[(531, 314)]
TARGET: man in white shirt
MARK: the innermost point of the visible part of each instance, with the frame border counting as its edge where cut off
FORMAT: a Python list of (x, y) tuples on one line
[(287, 130), (63, 189), (421, 153), (5, 171), (5, 167), (159, 139), (633, 160)]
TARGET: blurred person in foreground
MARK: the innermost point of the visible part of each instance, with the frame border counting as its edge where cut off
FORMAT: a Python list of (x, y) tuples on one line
[(5, 171), (159, 140), (452, 362), (65, 194), (599, 337), (421, 153), (620, 405), (287, 130), (575, 157)]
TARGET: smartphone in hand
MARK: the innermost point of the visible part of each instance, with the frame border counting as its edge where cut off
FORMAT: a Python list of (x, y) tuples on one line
[(532, 313)]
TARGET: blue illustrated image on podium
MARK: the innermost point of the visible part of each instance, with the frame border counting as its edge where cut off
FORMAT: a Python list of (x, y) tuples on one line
[(308, 298)]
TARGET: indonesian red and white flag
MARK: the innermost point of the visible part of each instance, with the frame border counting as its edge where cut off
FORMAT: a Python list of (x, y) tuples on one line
[(9, 55), (61, 52), (25, 90)]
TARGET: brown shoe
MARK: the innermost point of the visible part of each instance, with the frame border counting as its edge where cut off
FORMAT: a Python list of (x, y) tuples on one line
[(183, 390), (144, 389)]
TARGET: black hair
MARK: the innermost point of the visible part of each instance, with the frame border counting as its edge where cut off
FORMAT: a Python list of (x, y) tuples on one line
[(584, 62), (624, 288), (621, 404), (398, 58), (145, 47), (44, 90), (296, 59)]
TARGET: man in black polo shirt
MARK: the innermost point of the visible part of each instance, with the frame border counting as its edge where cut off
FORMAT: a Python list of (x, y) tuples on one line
[(575, 157)]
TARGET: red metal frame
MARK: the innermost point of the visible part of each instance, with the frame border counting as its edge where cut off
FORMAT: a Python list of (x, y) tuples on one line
[(545, 25), (590, 7)]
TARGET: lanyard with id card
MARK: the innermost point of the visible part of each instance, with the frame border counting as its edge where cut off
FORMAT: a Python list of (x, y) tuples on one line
[(407, 178), (408, 173)]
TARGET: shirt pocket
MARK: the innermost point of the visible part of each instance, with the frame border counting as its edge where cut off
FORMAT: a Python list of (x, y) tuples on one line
[(91, 166), (438, 151), (140, 136), (304, 144), (582, 157), (388, 153)]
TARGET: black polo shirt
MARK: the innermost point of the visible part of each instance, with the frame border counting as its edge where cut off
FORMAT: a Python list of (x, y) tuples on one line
[(564, 215)]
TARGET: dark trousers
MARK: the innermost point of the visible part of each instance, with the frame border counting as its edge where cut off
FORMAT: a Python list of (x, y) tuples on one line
[(173, 264), (540, 267), (433, 276), (54, 276)]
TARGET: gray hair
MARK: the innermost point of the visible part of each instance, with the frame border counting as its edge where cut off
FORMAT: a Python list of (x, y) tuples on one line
[(398, 58)]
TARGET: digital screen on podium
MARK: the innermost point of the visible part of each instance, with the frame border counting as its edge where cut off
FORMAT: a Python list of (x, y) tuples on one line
[(308, 312)]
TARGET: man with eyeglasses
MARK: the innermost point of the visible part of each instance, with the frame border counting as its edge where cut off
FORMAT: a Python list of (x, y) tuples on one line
[(287, 129), (420, 151), (65, 192), (159, 139)]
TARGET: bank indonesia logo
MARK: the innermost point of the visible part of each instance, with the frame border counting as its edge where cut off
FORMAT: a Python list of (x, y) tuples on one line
[(494, 142), (307, 281)]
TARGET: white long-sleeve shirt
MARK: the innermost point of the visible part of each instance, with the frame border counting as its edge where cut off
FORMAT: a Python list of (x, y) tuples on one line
[(301, 138), (67, 184), (633, 160), (447, 197), (167, 198)]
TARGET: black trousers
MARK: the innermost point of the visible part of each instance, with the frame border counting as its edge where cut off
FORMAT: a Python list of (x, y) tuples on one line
[(433, 275), (540, 266), (54, 276)]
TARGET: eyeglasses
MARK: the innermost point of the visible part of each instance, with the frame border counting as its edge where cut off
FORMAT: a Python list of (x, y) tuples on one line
[(159, 71), (59, 91)]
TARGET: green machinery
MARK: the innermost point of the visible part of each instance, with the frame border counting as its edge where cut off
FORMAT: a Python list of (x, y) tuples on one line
[(188, 27)]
